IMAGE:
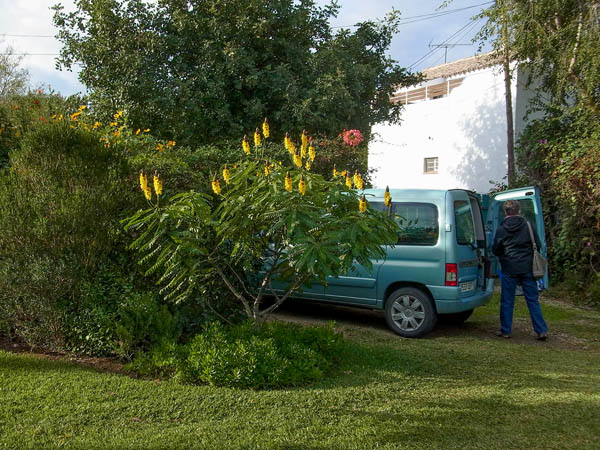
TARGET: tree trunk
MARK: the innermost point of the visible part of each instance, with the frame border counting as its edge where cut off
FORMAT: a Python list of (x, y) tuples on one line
[(510, 129)]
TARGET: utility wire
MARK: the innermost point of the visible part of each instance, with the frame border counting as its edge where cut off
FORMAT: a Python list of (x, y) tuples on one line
[(471, 24), (423, 17), (27, 35)]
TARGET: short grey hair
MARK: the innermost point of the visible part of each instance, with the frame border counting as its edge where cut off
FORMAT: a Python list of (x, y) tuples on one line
[(512, 208)]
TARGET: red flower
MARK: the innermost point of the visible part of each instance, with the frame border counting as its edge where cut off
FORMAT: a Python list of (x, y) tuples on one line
[(353, 137)]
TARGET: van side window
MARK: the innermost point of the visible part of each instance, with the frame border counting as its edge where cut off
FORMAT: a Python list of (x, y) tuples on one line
[(465, 231), (418, 222)]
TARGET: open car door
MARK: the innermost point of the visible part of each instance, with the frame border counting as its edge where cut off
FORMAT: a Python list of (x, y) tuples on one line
[(531, 210)]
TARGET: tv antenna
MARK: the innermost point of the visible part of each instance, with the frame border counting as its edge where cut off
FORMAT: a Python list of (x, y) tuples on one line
[(446, 47)]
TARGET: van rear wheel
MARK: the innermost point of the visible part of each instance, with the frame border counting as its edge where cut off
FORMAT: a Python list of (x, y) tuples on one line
[(409, 312)]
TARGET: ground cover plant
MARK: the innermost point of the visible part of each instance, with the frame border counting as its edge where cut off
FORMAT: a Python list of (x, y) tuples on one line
[(459, 388), (246, 356)]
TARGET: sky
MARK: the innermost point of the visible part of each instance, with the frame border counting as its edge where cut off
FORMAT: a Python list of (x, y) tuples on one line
[(23, 22)]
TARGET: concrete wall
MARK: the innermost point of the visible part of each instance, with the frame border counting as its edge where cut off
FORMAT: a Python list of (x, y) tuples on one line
[(466, 130)]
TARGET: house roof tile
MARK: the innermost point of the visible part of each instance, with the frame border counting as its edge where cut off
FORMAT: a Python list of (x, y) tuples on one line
[(462, 66)]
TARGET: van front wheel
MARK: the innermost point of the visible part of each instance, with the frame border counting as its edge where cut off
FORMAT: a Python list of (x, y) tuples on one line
[(409, 312)]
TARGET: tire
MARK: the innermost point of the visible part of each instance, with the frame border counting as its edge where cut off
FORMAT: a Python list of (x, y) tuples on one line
[(455, 318), (410, 313)]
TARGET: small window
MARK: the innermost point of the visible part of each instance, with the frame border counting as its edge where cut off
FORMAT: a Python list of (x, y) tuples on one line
[(430, 165), (418, 222)]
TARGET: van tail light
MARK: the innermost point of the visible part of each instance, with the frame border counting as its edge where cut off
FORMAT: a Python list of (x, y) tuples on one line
[(451, 275)]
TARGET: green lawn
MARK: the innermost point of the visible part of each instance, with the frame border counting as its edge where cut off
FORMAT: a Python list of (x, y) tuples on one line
[(459, 388)]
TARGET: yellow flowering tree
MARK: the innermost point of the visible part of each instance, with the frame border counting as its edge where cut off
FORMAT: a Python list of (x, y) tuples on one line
[(264, 221)]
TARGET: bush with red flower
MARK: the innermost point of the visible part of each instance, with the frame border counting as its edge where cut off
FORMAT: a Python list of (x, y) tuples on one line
[(352, 137)]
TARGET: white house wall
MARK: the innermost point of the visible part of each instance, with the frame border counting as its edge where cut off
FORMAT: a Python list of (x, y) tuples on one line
[(466, 130)]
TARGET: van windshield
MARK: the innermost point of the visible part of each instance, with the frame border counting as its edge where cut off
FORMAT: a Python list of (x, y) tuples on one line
[(465, 231), (418, 222)]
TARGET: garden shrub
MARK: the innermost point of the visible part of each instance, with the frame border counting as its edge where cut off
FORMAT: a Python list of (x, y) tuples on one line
[(245, 356), (560, 154), (60, 204), (141, 322)]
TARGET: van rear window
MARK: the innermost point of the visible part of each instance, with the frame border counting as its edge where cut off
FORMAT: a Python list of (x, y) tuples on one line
[(418, 222), (465, 231)]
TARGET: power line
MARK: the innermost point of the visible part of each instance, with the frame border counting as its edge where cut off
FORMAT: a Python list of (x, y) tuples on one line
[(28, 35), (423, 17), (29, 54), (465, 28)]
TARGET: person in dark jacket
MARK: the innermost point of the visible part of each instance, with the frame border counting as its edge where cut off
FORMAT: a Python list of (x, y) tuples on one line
[(513, 246)]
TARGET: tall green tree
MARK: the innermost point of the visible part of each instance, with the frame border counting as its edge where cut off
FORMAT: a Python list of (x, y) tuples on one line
[(212, 69), (557, 41)]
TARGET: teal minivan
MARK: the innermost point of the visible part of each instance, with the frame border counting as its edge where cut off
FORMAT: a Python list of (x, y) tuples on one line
[(441, 267)]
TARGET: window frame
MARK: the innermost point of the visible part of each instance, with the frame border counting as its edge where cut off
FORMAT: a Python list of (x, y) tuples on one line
[(436, 165), (416, 204)]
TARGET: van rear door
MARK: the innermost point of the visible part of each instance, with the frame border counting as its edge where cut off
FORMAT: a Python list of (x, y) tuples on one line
[(467, 247), (531, 209)]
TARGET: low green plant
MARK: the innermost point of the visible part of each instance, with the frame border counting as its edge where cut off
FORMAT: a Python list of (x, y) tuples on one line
[(247, 356), (141, 322)]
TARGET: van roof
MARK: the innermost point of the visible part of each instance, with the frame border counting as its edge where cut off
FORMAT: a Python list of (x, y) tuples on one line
[(415, 195)]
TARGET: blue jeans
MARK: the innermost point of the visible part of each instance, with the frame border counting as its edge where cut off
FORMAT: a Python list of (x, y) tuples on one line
[(507, 302)]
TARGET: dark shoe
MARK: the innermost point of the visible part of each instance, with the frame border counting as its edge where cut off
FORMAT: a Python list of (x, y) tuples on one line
[(501, 334), (542, 336)]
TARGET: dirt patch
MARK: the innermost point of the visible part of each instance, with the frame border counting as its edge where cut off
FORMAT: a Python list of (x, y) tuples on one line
[(352, 321), (109, 365)]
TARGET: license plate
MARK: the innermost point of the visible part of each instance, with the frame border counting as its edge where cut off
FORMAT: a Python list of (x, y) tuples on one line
[(467, 286)]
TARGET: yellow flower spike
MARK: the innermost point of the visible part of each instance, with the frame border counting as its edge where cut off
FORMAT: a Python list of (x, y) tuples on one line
[(143, 180), (137, 131), (344, 173), (226, 174), (387, 197), (267, 169), (348, 182), (256, 138), (297, 160), (148, 194), (308, 164), (266, 129), (362, 204), (216, 186), (302, 186), (304, 138), (288, 182), (312, 153), (360, 184), (289, 145), (335, 172), (246, 145), (147, 130), (158, 186)]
